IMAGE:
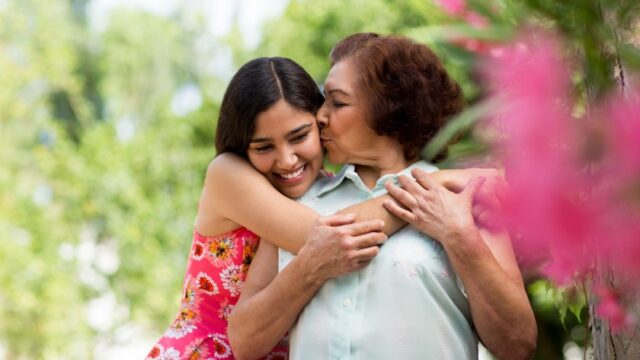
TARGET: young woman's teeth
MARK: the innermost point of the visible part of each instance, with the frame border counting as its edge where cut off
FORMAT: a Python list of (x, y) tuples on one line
[(293, 174)]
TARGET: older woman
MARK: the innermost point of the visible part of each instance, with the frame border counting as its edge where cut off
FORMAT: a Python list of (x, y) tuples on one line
[(435, 285)]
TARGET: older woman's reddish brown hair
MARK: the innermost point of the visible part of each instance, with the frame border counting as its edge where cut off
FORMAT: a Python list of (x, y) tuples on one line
[(409, 94)]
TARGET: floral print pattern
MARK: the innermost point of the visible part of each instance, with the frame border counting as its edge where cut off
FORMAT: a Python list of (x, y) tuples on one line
[(215, 274)]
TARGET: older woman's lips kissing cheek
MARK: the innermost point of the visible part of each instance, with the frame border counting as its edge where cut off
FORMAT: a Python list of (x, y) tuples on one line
[(324, 140)]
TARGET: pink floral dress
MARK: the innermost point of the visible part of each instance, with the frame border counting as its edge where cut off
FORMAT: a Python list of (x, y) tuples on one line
[(215, 273)]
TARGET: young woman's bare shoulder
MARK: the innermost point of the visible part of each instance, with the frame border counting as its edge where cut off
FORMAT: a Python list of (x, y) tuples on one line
[(228, 162)]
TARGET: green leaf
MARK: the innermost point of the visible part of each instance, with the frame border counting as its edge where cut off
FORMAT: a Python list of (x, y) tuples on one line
[(459, 31), (576, 310), (630, 55), (463, 121), (562, 313)]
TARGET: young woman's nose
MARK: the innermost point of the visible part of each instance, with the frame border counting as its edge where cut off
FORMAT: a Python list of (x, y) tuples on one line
[(287, 159), (322, 117)]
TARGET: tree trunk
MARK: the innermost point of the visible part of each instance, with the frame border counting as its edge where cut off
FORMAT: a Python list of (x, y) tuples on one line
[(609, 345), (625, 344)]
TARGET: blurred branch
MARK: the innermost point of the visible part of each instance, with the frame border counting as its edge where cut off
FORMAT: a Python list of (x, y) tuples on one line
[(456, 126)]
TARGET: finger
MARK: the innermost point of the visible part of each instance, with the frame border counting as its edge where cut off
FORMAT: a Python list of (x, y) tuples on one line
[(358, 265), (473, 186), (401, 195), (398, 211), (424, 179), (410, 185), (364, 227), (337, 219), (369, 239), (366, 254)]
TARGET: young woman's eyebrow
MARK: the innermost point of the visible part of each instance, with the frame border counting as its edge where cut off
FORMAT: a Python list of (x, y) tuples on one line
[(298, 129), (289, 133)]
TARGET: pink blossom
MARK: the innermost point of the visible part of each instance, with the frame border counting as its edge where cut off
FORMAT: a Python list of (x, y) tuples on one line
[(476, 20), (452, 7), (609, 308), (575, 183)]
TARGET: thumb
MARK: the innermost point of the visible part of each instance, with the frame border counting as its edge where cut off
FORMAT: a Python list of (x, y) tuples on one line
[(472, 186), (337, 219)]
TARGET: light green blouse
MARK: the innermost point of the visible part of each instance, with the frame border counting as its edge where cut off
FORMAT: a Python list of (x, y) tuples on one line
[(406, 304)]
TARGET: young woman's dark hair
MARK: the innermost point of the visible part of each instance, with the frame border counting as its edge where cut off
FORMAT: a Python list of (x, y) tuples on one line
[(257, 86), (410, 95)]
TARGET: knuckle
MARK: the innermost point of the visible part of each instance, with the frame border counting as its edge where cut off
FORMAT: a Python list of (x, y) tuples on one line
[(346, 243), (374, 251)]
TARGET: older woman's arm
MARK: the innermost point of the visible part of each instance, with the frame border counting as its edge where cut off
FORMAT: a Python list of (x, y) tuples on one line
[(484, 261), (270, 302)]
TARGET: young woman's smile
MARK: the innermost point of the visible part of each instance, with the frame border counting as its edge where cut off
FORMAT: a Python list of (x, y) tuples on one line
[(286, 148)]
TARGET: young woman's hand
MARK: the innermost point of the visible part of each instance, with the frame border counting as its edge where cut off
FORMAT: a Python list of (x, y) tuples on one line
[(338, 245), (432, 208)]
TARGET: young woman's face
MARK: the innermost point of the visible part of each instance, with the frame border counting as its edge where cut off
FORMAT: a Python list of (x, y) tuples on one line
[(286, 148), (345, 133)]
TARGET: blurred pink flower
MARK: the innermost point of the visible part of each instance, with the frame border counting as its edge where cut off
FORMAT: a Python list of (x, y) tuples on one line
[(452, 7), (609, 308), (476, 20), (575, 183), (562, 206)]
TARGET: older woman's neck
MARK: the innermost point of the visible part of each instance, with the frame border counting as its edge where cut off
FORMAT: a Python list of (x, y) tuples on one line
[(389, 160)]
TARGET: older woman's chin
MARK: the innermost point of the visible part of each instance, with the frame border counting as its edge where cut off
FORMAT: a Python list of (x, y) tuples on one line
[(335, 157)]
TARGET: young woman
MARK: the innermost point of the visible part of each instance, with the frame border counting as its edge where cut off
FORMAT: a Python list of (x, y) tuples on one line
[(268, 118)]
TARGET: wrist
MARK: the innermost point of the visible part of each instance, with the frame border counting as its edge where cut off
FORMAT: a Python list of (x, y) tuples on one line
[(463, 237), (310, 275)]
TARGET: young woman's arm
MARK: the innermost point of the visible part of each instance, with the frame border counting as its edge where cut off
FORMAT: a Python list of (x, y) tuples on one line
[(238, 194)]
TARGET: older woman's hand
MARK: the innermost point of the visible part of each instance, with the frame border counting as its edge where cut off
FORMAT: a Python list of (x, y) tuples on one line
[(431, 208), (337, 245), (488, 200)]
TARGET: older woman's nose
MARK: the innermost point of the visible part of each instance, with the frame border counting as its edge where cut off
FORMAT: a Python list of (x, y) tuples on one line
[(322, 117)]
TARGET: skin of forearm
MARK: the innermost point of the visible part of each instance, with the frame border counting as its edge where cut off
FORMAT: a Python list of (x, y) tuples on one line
[(499, 305), (277, 307), (373, 209)]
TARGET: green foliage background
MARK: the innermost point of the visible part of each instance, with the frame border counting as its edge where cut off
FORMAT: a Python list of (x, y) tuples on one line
[(100, 178)]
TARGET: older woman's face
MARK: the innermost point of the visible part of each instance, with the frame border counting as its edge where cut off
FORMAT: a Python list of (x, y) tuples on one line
[(345, 133)]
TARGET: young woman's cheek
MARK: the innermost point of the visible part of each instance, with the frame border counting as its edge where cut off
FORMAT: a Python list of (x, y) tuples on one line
[(260, 162)]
